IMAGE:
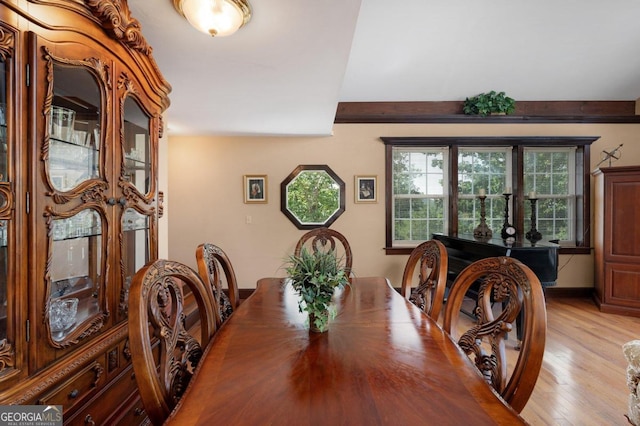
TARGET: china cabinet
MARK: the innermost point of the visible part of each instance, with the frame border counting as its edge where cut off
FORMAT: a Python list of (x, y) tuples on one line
[(617, 239), (81, 100)]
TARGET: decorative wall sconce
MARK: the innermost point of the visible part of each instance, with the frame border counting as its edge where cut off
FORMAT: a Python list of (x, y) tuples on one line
[(215, 17)]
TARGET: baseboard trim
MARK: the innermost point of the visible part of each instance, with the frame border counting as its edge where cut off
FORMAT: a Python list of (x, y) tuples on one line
[(568, 292), (244, 293)]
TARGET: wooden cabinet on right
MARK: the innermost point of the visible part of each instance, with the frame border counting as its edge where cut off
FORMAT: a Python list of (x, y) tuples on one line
[(617, 239)]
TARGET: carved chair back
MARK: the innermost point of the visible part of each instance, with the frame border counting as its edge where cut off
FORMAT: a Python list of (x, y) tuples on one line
[(216, 270), (514, 288), (425, 287), (156, 313), (326, 239)]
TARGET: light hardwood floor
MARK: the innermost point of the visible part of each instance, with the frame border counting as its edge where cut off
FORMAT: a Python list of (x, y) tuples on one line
[(583, 377)]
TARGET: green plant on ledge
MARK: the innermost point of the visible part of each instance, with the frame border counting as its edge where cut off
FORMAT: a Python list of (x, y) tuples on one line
[(315, 276), (489, 103)]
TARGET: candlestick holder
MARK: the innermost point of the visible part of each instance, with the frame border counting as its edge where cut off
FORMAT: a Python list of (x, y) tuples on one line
[(533, 235), (508, 230), (482, 231)]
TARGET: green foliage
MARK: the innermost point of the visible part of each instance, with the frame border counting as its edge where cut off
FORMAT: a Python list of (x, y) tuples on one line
[(313, 196), (315, 276), (487, 103)]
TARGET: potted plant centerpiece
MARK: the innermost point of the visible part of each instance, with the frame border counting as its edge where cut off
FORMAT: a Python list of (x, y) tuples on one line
[(315, 275), (489, 103)]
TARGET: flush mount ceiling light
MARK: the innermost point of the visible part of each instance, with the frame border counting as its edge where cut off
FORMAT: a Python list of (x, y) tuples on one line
[(215, 17)]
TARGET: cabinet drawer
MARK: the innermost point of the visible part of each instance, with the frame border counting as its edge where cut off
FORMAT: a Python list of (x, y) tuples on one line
[(132, 415), (77, 389), (112, 400)]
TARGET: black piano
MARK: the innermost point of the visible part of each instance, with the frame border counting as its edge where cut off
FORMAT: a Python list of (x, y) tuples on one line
[(541, 257)]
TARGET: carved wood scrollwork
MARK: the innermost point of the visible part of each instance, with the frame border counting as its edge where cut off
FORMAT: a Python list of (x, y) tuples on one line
[(6, 44), (501, 287), (180, 349), (421, 295), (89, 189), (7, 355), (98, 370), (126, 351), (117, 20), (7, 200), (113, 358), (123, 306), (507, 290)]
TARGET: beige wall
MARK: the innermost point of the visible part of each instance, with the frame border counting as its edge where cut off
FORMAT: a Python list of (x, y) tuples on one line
[(206, 181)]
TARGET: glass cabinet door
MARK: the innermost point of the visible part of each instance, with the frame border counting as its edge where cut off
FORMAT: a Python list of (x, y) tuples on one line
[(137, 164), (77, 212), (135, 251), (5, 195), (76, 271), (136, 180), (74, 128)]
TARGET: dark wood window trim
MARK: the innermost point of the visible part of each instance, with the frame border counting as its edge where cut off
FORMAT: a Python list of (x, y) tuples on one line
[(583, 190)]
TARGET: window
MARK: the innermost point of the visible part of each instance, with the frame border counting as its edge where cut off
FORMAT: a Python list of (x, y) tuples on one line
[(550, 174), (419, 194), (487, 169), (433, 185)]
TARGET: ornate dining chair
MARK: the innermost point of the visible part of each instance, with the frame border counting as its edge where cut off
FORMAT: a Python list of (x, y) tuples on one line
[(211, 259), (427, 289), (515, 288), (325, 239), (156, 314)]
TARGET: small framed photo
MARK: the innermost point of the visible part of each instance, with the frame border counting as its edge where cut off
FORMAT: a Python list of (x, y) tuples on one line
[(255, 188), (366, 189)]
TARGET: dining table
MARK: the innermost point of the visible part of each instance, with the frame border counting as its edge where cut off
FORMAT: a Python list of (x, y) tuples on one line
[(383, 361)]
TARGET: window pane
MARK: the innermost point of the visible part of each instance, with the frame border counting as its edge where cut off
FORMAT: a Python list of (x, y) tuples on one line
[(419, 187), (482, 168), (402, 230), (550, 173), (402, 208)]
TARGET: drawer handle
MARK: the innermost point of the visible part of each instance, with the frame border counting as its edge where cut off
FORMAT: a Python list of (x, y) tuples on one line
[(74, 393), (89, 420), (138, 411)]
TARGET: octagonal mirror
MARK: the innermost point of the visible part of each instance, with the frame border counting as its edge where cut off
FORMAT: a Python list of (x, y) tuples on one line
[(312, 196)]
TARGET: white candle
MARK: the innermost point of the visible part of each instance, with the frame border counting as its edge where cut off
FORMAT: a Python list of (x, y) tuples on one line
[(532, 195), (482, 192), (508, 190)]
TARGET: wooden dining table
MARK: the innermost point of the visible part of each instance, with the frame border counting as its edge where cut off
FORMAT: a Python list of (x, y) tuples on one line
[(382, 362)]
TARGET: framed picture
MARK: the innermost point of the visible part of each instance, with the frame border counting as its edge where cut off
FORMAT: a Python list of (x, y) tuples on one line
[(255, 188), (366, 189)]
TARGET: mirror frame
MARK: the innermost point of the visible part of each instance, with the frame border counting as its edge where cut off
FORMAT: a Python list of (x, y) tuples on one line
[(283, 196)]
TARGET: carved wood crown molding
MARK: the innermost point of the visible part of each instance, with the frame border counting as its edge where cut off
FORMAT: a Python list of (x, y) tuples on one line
[(116, 18)]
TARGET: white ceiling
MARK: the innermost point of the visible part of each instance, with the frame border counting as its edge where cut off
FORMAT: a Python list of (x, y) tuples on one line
[(286, 70)]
